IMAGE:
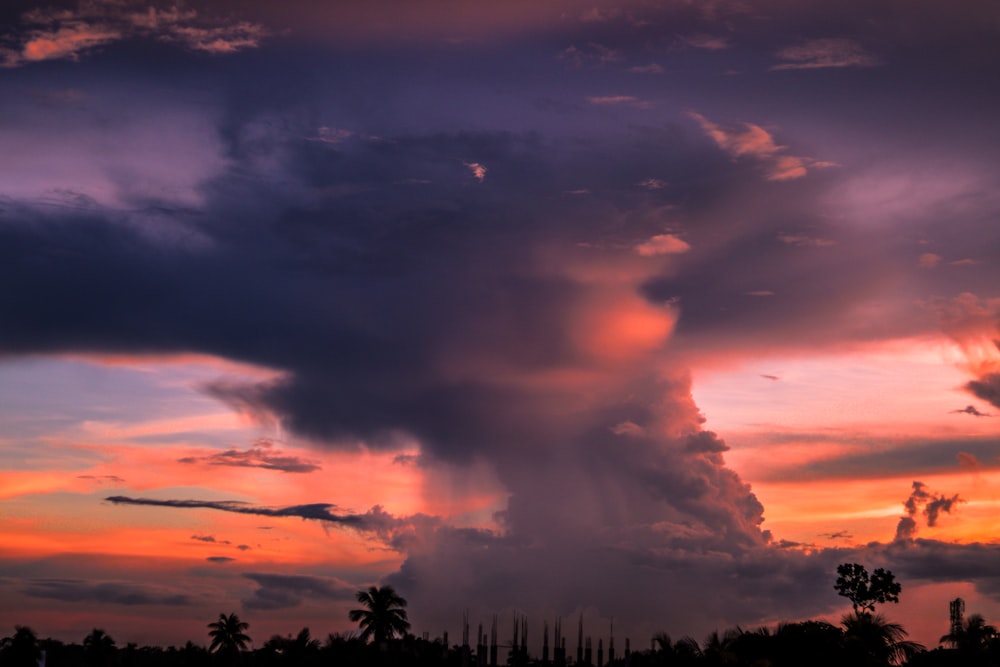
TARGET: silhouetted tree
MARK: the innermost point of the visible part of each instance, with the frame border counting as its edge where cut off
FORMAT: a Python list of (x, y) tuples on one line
[(813, 643), (228, 635), (871, 640), (98, 648), (20, 649), (863, 591), (384, 615), (973, 639)]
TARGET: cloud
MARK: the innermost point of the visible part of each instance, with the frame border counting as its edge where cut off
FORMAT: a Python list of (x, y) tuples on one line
[(209, 538), (477, 170), (707, 42), (283, 591), (592, 52), (928, 260), (221, 560), (651, 68), (75, 590), (925, 502), (971, 410), (755, 142), (760, 292), (662, 244), (49, 33), (374, 519), (652, 184), (260, 456), (824, 53), (616, 100), (802, 240)]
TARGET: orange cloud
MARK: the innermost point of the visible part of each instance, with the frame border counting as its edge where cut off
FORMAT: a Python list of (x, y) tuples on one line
[(662, 244), (755, 142)]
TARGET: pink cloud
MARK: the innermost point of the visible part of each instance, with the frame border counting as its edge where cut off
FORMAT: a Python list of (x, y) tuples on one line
[(662, 244), (753, 141), (929, 260), (477, 170)]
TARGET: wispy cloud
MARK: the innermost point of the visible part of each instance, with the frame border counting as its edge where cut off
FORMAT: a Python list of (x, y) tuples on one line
[(823, 53), (802, 240), (260, 456), (374, 519), (75, 590), (971, 410), (614, 100), (592, 52), (707, 42), (651, 68), (282, 591)]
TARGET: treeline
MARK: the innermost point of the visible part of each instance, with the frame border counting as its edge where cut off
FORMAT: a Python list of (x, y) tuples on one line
[(862, 640)]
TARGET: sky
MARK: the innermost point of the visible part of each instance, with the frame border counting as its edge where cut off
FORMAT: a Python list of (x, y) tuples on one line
[(644, 311)]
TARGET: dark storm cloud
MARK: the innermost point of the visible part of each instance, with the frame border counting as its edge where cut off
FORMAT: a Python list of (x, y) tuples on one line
[(987, 388), (282, 591), (346, 243), (931, 560), (261, 456), (74, 590)]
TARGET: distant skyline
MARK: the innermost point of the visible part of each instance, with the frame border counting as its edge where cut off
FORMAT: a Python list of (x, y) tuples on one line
[(653, 311)]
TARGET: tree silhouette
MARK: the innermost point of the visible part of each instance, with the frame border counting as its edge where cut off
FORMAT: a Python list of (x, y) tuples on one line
[(871, 640), (384, 615), (20, 649), (973, 638), (228, 634), (98, 648), (863, 591)]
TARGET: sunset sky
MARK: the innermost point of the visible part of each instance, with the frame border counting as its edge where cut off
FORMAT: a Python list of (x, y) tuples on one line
[(654, 311)]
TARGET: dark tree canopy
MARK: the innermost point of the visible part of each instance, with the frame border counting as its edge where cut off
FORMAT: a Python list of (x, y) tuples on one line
[(384, 615), (863, 591), (228, 634)]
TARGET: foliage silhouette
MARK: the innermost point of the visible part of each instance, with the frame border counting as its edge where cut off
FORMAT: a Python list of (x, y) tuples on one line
[(20, 649), (383, 617), (863, 591), (228, 634), (871, 640), (98, 648)]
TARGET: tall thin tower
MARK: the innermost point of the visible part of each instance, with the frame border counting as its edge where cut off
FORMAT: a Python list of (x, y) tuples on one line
[(956, 609)]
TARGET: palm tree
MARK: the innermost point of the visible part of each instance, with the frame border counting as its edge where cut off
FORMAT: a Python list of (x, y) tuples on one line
[(384, 615), (973, 637), (228, 634), (872, 640), (98, 647), (20, 649)]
